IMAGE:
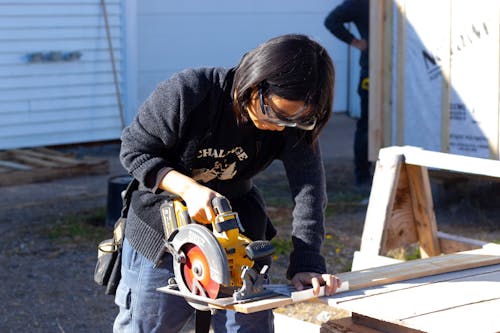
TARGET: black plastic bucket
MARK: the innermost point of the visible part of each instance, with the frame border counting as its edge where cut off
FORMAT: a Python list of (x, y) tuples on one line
[(116, 185)]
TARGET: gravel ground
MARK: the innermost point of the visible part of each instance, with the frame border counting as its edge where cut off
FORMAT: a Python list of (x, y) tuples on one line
[(46, 267)]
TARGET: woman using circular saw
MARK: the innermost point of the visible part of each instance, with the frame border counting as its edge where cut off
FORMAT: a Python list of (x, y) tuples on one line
[(207, 132)]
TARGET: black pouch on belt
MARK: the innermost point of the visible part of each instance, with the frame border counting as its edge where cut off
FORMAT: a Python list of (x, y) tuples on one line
[(108, 266), (109, 252)]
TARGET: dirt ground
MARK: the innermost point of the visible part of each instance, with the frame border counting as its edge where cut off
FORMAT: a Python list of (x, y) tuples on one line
[(50, 231)]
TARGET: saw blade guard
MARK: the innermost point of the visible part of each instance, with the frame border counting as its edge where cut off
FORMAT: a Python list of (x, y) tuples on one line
[(196, 242)]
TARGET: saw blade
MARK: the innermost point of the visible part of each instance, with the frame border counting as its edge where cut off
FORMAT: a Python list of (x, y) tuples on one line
[(196, 273)]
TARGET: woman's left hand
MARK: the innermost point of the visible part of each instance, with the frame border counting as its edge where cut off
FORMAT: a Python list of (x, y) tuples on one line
[(330, 282)]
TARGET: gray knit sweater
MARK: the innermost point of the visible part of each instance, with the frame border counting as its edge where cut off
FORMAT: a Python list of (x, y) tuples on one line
[(187, 124)]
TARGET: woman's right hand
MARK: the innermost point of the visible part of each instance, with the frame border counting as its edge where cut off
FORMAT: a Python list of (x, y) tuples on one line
[(198, 198)]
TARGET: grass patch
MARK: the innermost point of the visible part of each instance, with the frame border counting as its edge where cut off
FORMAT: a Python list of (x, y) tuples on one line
[(336, 251), (84, 227), (345, 196), (405, 253), (282, 246)]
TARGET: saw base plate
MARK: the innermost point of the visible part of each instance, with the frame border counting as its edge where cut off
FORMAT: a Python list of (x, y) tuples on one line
[(221, 302)]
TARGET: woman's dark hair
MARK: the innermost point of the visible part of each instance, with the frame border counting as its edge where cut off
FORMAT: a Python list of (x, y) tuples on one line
[(293, 67)]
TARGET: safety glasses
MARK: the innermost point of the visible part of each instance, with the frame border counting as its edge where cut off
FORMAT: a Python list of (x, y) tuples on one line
[(298, 120)]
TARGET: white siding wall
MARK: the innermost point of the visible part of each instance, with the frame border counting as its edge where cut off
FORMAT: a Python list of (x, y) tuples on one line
[(173, 35), (57, 102)]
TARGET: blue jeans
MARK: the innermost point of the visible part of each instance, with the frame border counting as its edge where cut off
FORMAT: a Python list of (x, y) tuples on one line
[(144, 309)]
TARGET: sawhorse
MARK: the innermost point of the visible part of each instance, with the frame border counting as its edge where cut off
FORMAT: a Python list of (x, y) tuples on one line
[(401, 210)]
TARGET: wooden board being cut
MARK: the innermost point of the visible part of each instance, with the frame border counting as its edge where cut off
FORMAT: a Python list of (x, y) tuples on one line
[(489, 255)]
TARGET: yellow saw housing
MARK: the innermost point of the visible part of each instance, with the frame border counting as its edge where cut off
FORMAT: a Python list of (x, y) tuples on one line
[(225, 227), (234, 245)]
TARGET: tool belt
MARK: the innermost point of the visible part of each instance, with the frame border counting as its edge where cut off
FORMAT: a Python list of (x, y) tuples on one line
[(109, 252)]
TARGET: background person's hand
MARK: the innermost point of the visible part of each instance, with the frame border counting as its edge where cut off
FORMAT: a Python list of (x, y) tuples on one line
[(360, 44), (330, 282)]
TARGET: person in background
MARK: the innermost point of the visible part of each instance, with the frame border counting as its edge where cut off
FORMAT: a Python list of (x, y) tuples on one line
[(357, 12), (207, 132)]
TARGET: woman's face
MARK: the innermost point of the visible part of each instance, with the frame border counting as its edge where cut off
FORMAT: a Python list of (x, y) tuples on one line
[(264, 120)]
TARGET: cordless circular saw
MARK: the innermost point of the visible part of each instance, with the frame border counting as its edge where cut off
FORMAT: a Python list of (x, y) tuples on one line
[(215, 263)]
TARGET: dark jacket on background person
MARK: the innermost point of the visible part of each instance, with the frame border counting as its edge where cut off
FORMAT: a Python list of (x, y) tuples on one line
[(356, 11)]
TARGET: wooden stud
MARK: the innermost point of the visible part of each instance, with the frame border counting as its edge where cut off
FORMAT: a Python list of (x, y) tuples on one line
[(423, 210), (375, 114), (386, 72), (400, 229), (400, 72)]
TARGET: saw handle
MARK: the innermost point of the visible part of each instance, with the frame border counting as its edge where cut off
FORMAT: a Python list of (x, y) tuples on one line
[(260, 252), (221, 205), (259, 249), (225, 218)]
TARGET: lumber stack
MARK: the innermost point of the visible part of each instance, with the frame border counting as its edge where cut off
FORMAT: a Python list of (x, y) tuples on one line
[(22, 166)]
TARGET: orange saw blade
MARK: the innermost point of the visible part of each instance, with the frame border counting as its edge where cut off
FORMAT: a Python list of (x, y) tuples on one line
[(197, 273)]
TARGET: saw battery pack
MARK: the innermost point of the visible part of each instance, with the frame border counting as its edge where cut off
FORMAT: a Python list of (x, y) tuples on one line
[(174, 214)]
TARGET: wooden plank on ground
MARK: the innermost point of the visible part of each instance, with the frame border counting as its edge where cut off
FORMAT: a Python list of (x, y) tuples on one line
[(14, 165), (23, 166), (35, 162), (47, 156)]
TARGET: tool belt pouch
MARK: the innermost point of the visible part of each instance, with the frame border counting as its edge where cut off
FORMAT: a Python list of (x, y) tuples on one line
[(108, 266), (109, 252)]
